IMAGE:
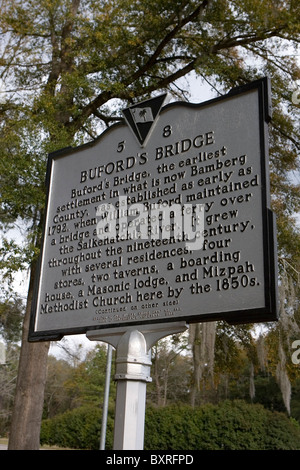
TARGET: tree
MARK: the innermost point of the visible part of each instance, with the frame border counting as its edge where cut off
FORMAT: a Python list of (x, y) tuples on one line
[(56, 398), (71, 384), (86, 384), (8, 376), (281, 336), (170, 372), (69, 66)]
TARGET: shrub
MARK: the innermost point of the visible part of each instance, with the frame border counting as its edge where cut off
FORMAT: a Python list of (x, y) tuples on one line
[(79, 428), (231, 425)]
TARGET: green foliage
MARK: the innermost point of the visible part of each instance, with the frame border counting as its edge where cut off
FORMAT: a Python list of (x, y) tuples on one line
[(57, 398), (295, 402), (72, 386), (268, 394), (228, 426), (77, 429)]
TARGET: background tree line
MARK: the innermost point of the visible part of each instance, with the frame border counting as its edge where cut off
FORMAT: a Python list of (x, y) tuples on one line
[(67, 68), (245, 369)]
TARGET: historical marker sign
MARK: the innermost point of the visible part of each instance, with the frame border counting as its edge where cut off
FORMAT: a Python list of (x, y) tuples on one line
[(164, 218)]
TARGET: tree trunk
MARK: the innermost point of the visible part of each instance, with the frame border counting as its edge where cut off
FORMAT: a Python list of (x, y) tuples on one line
[(29, 396)]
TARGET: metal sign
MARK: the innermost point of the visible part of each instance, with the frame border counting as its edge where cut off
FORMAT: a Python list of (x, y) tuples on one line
[(164, 218)]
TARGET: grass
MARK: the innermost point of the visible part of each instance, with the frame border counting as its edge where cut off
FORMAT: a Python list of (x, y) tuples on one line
[(4, 441)]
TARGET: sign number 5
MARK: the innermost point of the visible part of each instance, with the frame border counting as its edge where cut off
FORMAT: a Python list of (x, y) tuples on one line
[(121, 146)]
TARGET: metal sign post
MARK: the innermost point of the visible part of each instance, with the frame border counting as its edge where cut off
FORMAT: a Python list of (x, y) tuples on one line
[(106, 397), (133, 362)]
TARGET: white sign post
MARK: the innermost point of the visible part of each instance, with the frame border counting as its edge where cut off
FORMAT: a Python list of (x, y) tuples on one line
[(133, 363)]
